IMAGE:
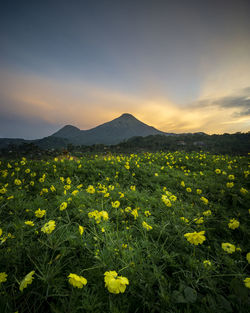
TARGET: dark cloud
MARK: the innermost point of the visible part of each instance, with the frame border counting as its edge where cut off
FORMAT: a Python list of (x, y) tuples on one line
[(241, 101), (242, 113)]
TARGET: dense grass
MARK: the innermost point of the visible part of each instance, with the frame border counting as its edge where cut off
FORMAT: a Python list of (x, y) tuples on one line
[(166, 272)]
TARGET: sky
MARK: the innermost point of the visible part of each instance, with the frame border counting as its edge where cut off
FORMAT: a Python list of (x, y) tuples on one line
[(180, 66)]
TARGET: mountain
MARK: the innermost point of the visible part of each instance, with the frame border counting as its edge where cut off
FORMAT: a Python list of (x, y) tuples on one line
[(113, 132), (67, 131)]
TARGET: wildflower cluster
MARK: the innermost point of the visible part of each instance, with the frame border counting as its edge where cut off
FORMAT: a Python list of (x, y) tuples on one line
[(114, 283), (98, 216), (171, 220)]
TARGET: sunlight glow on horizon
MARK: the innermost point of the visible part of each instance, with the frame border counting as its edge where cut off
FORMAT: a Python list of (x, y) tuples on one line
[(178, 66), (85, 106)]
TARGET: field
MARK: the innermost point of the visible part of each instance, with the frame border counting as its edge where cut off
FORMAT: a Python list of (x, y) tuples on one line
[(153, 232)]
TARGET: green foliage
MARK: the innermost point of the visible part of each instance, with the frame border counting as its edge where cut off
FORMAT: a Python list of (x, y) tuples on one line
[(141, 237)]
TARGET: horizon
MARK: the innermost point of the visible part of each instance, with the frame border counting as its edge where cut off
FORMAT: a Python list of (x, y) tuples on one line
[(179, 67), (70, 125)]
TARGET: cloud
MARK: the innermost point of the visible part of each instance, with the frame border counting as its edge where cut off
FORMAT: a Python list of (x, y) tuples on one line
[(53, 103), (242, 113), (239, 102)]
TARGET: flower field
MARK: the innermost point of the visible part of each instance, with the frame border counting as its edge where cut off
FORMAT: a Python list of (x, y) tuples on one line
[(152, 232)]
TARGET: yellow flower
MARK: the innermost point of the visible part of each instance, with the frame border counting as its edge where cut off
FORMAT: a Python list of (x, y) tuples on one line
[(182, 184), (146, 226), (228, 247), (198, 191), (98, 215), (189, 189), (195, 238), (204, 200), (199, 220), (173, 198), (52, 188), (121, 194), (63, 206), (114, 283), (40, 213), (44, 190), (248, 257), (134, 212), (243, 191), (166, 201), (247, 282), (77, 281), (67, 187), (29, 223), (17, 182), (128, 209), (27, 280), (81, 229), (3, 190), (207, 263), (233, 223), (207, 213), (217, 171), (231, 177), (75, 192), (184, 219), (3, 277), (147, 213), (49, 227), (133, 188), (230, 185), (115, 204), (104, 215), (90, 189)]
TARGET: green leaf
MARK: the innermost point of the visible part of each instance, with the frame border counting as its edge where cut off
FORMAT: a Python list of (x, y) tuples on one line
[(190, 294), (178, 297), (224, 304), (239, 289)]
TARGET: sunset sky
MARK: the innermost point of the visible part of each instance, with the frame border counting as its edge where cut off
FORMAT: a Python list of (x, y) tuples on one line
[(180, 66)]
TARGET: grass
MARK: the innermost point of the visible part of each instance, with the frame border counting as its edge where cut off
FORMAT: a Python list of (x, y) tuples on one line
[(166, 272)]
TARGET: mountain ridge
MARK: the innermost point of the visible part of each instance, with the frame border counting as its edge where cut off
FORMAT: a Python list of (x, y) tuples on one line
[(112, 132)]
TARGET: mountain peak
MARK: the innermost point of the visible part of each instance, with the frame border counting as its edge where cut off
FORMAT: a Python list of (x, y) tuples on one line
[(67, 131), (70, 127), (127, 115), (115, 131)]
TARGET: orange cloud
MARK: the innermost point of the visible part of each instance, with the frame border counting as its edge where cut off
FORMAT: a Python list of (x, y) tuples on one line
[(86, 106)]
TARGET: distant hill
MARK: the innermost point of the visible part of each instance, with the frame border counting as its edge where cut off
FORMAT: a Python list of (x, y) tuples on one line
[(127, 134), (5, 142), (113, 132)]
